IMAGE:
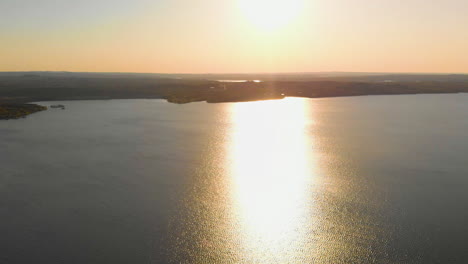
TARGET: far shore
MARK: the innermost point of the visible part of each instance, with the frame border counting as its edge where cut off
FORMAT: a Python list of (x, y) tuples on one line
[(24, 89)]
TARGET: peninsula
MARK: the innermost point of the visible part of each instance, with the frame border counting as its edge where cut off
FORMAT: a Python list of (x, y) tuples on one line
[(15, 111)]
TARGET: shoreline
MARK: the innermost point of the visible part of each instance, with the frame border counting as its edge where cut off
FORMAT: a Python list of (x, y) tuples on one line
[(217, 102), (11, 110)]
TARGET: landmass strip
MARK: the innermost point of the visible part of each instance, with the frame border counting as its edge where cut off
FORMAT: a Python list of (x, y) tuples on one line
[(16, 88)]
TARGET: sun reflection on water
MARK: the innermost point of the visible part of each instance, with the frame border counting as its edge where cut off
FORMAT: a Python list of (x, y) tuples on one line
[(272, 176)]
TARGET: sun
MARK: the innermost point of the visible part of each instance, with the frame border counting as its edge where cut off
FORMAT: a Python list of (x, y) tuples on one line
[(270, 14)]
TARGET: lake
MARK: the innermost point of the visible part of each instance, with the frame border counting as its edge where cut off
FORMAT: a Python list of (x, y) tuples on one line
[(372, 179)]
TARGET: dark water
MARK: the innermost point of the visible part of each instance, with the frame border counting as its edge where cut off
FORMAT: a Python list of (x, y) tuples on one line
[(378, 179)]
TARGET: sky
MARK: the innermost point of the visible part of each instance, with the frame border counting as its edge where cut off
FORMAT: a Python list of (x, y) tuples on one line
[(234, 36)]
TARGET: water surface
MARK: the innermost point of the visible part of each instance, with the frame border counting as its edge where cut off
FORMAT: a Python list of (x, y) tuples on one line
[(375, 179)]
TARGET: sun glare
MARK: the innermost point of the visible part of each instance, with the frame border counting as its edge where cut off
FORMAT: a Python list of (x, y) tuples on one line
[(272, 175), (270, 14)]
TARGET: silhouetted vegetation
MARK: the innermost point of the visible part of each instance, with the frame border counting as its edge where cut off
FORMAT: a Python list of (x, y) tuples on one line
[(15, 111), (53, 86)]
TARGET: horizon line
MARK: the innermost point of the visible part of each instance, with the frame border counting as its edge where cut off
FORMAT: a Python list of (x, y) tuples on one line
[(246, 73)]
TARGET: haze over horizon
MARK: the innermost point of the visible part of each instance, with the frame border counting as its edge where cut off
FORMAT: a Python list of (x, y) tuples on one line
[(238, 36)]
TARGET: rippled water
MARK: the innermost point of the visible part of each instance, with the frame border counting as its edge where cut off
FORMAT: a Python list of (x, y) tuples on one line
[(377, 179)]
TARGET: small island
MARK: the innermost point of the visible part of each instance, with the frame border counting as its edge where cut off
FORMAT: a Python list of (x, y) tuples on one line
[(18, 110)]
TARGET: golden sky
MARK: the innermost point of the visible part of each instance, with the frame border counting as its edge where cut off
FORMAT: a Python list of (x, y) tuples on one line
[(201, 36)]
